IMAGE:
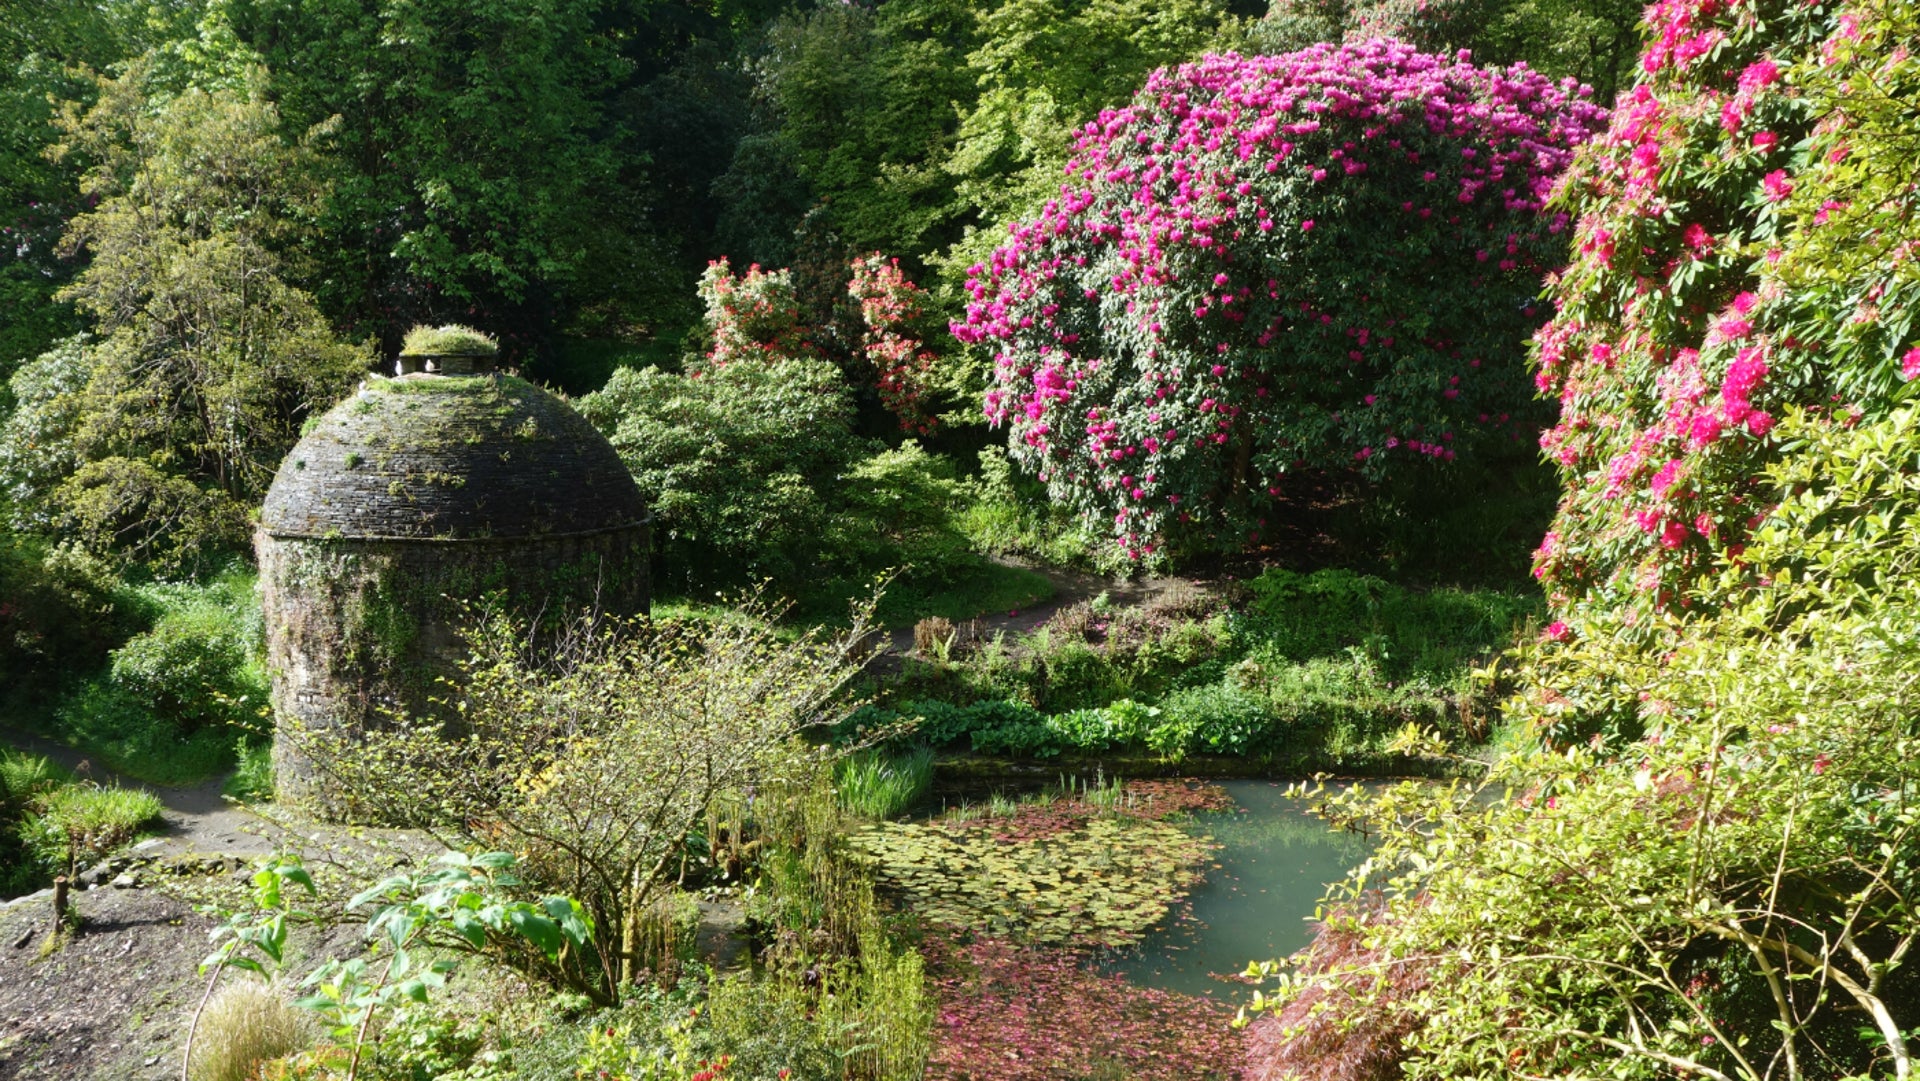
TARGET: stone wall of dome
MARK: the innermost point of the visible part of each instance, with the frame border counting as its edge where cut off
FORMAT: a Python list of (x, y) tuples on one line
[(403, 508)]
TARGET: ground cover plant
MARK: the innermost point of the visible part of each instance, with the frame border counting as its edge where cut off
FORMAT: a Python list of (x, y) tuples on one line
[(1303, 668)]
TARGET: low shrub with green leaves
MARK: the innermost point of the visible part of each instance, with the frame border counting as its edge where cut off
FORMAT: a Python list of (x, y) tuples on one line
[(177, 698), (754, 472), (61, 610), (1733, 890)]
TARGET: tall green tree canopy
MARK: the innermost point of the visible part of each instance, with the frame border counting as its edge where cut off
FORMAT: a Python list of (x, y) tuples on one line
[(473, 167), (157, 436)]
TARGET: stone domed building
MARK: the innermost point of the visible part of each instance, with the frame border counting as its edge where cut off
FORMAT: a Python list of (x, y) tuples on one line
[(411, 499)]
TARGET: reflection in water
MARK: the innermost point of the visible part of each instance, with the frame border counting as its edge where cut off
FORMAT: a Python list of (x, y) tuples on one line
[(1274, 864)]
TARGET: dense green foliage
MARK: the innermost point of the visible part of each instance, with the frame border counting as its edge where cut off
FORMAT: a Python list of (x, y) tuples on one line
[(1317, 670), (156, 437), (176, 699)]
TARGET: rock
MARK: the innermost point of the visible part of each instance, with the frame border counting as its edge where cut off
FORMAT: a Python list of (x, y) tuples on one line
[(126, 881)]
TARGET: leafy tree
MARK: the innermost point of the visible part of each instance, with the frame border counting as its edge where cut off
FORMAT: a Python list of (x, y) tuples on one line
[(865, 101), (39, 45), (473, 166), (1322, 260), (1045, 67), (157, 436), (1592, 41)]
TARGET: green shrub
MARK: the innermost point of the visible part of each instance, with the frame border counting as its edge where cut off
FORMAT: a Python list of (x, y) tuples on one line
[(766, 1026), (741, 466), (176, 698), (195, 668), (243, 1025), (1219, 717), (62, 611)]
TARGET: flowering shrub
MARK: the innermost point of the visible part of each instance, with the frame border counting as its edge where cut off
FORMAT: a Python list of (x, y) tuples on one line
[(1744, 247), (892, 310), (1325, 259), (753, 317), (1734, 897)]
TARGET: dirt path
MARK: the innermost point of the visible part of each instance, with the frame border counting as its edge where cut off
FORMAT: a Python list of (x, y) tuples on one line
[(197, 819)]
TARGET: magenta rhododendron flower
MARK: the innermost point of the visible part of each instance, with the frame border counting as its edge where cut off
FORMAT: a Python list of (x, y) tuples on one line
[(1705, 304)]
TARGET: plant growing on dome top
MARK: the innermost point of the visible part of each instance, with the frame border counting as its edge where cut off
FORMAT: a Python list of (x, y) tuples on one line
[(1324, 260), (451, 340)]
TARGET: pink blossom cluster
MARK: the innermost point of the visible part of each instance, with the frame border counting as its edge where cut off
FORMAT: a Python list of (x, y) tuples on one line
[(1265, 262), (891, 311), (753, 317), (1679, 338)]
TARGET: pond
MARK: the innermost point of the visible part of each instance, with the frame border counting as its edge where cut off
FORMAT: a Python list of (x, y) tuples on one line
[(1272, 868)]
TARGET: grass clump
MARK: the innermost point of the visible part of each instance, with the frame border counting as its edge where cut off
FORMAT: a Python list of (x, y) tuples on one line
[(252, 779), (874, 784), (77, 824), (451, 339), (245, 1024)]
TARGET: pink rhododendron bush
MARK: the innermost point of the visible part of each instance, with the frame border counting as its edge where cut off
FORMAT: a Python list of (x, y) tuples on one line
[(1263, 264), (1711, 868), (1744, 277)]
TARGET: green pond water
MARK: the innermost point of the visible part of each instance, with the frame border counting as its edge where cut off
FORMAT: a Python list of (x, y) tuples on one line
[(1274, 864)]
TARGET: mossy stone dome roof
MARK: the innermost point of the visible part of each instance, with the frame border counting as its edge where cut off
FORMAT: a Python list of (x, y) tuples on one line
[(429, 457)]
